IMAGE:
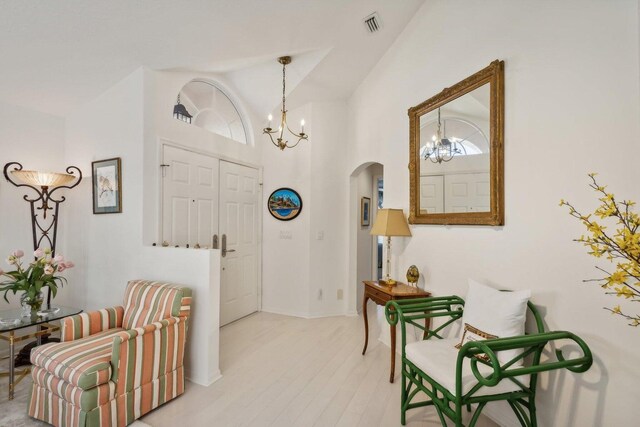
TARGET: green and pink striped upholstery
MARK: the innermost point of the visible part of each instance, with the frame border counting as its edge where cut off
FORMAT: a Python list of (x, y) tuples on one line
[(147, 302), (117, 364), (83, 399), (84, 363), (89, 323)]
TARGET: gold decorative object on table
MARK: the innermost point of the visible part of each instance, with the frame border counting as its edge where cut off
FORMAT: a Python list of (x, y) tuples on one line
[(413, 274)]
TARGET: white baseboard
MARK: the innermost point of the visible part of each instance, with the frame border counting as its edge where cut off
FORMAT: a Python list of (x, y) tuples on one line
[(215, 377), (302, 315), (284, 312)]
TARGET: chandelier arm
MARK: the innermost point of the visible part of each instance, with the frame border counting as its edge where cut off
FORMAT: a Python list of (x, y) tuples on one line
[(467, 138), (297, 135), (298, 142), (271, 138)]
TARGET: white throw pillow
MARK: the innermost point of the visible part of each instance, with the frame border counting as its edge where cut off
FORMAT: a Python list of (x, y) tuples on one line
[(498, 313)]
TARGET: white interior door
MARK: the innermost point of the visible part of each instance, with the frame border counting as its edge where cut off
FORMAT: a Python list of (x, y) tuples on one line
[(432, 194), (190, 197), (467, 192), (239, 212)]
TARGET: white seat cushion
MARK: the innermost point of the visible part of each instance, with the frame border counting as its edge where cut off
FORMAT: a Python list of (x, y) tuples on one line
[(437, 358)]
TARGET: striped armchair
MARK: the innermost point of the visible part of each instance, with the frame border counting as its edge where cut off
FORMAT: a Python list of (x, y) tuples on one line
[(114, 365)]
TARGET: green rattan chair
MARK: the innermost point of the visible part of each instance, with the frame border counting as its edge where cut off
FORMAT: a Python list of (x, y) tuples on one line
[(474, 381)]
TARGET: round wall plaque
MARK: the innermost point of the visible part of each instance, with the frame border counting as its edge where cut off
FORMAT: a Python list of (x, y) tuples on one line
[(285, 204)]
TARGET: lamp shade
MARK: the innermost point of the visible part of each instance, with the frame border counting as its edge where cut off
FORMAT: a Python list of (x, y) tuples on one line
[(390, 222), (43, 179)]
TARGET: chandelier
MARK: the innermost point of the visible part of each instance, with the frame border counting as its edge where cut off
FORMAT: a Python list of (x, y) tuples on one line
[(440, 148), (280, 141)]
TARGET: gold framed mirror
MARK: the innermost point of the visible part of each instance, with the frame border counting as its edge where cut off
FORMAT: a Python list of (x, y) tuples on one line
[(456, 153)]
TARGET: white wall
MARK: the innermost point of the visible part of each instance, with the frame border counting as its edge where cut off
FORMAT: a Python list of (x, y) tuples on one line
[(328, 203), (37, 141), (296, 270), (285, 272), (571, 77), (102, 246), (200, 270)]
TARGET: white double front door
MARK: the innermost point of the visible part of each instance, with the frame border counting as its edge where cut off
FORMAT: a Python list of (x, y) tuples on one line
[(210, 202)]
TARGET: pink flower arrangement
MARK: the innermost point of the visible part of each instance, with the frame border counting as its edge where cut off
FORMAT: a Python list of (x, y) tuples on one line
[(34, 277)]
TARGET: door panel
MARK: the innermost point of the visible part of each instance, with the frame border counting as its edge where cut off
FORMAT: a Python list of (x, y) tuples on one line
[(179, 217), (206, 218), (249, 221), (190, 198), (432, 194), (467, 192), (239, 201)]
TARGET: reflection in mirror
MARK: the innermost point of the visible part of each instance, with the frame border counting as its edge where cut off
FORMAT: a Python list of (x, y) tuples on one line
[(454, 155), (456, 166), (212, 109)]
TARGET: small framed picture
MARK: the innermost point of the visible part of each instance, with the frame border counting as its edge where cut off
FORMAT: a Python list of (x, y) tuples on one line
[(365, 211), (107, 186)]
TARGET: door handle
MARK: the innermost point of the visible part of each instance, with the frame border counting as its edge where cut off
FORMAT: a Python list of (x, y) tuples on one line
[(225, 251)]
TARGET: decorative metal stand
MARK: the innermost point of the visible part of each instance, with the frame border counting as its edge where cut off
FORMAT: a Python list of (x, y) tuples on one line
[(47, 231), (44, 231)]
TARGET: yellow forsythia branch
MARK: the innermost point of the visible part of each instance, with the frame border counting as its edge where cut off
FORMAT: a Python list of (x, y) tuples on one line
[(621, 246)]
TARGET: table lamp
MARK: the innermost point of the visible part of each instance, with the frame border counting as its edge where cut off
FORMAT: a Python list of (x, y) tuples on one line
[(390, 223)]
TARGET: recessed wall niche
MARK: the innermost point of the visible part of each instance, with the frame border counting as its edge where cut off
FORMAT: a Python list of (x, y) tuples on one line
[(211, 109)]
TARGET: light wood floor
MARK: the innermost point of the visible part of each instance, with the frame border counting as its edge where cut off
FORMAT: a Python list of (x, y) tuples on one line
[(286, 371)]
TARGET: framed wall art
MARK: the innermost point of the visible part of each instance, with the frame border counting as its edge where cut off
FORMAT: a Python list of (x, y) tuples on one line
[(285, 204), (107, 186), (365, 211)]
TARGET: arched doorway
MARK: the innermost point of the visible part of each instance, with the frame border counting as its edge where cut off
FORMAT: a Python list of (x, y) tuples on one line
[(366, 183)]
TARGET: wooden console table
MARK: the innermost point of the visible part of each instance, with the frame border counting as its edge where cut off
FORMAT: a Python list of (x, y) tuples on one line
[(380, 293)]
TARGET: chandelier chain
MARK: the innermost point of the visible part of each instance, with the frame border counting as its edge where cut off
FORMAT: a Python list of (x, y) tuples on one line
[(283, 87)]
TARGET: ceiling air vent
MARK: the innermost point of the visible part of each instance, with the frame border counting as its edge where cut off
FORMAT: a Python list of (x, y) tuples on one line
[(373, 23)]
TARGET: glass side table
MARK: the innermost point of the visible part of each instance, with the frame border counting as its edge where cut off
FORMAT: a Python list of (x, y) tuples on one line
[(12, 329)]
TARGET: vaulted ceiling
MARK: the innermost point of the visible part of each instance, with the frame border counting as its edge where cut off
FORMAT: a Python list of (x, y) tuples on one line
[(56, 56)]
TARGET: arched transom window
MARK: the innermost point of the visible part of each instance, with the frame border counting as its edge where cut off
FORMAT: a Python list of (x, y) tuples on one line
[(210, 108)]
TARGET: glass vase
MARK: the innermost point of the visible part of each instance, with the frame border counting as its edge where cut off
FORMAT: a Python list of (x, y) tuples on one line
[(31, 306)]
